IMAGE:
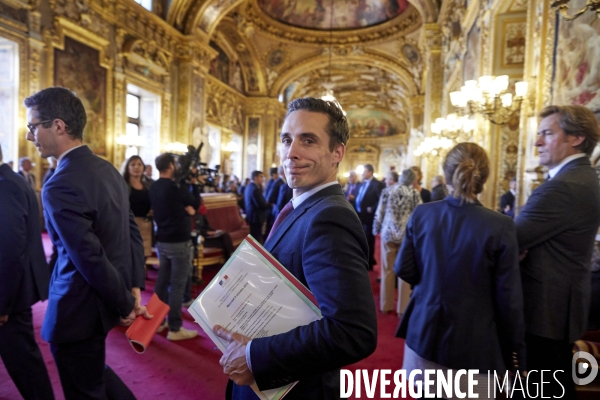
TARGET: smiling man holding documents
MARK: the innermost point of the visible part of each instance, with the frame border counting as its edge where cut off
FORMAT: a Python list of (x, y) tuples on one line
[(321, 242)]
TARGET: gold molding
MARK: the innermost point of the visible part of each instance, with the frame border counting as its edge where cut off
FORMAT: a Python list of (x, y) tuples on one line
[(8, 8), (225, 106)]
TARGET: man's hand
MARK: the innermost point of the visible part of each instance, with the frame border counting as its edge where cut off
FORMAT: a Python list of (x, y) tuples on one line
[(506, 209), (234, 359), (126, 321), (3, 319), (138, 308), (190, 210)]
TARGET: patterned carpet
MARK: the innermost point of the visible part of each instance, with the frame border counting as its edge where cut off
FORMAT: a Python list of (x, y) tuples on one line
[(190, 369)]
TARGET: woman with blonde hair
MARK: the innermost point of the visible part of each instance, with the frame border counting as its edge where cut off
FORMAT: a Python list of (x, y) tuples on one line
[(466, 309)]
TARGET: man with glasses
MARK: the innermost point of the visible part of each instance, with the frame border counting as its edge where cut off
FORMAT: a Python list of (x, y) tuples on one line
[(100, 268)]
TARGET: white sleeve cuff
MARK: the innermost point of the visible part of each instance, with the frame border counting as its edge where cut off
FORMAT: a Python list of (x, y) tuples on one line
[(248, 361)]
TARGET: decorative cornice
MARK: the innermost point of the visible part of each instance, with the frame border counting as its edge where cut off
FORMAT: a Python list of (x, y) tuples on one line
[(13, 17), (264, 105)]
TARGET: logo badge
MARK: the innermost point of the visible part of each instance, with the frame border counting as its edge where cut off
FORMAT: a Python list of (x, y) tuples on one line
[(585, 368)]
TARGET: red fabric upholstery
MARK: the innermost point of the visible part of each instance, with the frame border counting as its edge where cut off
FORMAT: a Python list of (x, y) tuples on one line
[(223, 213)]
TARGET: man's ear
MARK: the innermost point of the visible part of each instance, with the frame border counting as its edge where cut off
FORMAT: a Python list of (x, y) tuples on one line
[(338, 153), (576, 140), (60, 126)]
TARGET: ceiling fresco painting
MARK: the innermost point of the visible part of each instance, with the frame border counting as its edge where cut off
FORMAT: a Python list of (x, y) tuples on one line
[(348, 14), (373, 124), (355, 86)]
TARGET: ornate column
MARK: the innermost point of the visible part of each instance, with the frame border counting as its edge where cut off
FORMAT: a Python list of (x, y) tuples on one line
[(194, 58), (431, 42), (120, 93), (271, 112)]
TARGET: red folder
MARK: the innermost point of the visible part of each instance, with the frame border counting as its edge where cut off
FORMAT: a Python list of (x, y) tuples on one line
[(141, 331)]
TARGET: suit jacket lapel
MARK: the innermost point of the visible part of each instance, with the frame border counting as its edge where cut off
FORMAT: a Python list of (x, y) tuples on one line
[(298, 212)]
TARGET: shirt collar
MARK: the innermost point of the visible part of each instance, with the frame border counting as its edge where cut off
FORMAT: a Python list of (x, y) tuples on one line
[(67, 152), (552, 172), (300, 199)]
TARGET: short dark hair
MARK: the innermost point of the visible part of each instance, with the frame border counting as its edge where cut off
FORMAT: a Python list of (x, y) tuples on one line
[(163, 161), (273, 170), (255, 174), (338, 129), (368, 167), (59, 103), (577, 121), (394, 175)]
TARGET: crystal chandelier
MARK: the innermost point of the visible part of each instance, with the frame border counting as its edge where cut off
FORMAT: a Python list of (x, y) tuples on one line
[(433, 146), (489, 96), (454, 127)]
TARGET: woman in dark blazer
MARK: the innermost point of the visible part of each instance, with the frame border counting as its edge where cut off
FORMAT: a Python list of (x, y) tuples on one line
[(466, 309)]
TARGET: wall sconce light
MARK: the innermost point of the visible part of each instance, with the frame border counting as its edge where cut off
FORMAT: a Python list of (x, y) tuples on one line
[(456, 128), (231, 147), (132, 144), (131, 141), (433, 146), (563, 8), (489, 97)]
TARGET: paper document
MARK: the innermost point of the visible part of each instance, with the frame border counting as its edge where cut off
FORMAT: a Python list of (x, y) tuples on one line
[(254, 295)]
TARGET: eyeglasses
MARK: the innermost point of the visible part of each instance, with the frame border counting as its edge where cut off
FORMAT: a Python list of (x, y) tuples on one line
[(32, 127)]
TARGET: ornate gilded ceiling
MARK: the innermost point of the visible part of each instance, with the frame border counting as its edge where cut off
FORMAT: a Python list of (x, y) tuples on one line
[(330, 14), (282, 47)]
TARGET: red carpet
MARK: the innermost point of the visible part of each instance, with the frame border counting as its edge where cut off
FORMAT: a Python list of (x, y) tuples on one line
[(190, 369)]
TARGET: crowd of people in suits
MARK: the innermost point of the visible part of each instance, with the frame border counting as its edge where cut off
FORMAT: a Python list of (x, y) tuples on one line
[(517, 291)]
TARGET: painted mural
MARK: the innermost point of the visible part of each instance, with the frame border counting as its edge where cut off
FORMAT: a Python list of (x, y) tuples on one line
[(219, 66), (471, 63), (577, 62), (373, 124), (317, 14), (77, 68)]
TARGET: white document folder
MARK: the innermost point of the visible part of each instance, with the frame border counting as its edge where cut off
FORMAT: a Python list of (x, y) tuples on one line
[(253, 294)]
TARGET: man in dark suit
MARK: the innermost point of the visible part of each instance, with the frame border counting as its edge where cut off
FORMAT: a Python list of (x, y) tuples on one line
[(255, 205), (274, 176), (321, 243), (556, 229), (24, 277), (100, 267), (366, 205), (271, 195), (286, 193), (25, 167), (507, 200), (439, 191), (352, 188)]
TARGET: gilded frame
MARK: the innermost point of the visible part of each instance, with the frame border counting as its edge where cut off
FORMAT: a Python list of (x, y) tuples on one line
[(64, 27)]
